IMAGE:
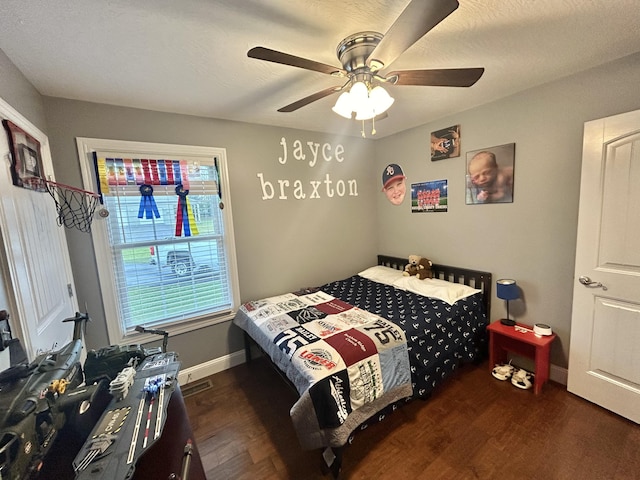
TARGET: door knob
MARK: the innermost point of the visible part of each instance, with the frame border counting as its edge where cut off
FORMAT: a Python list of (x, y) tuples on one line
[(587, 282)]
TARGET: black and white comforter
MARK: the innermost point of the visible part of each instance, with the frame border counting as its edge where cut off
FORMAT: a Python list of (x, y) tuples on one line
[(355, 346)]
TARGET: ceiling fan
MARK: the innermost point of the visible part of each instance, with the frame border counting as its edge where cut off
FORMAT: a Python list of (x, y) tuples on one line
[(365, 55)]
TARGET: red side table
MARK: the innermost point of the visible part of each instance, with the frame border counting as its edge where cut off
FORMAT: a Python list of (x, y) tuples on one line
[(503, 339)]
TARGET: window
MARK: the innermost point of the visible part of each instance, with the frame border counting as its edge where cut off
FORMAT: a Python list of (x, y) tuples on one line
[(165, 252)]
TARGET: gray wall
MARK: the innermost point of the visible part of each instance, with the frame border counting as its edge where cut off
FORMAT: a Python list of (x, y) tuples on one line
[(282, 245), (533, 238), (16, 90), (279, 248)]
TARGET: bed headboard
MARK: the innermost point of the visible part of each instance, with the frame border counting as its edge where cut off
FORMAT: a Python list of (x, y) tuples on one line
[(473, 278)]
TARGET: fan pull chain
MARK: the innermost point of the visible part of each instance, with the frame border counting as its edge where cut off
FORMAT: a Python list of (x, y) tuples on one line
[(373, 128)]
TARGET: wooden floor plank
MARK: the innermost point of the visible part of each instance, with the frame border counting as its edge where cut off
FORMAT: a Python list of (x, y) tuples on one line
[(474, 427)]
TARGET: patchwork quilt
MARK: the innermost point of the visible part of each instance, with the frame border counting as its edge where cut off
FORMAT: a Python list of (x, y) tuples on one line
[(353, 347)]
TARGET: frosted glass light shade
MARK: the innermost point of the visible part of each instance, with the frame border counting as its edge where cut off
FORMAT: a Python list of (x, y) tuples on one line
[(366, 111), (359, 96), (366, 104), (380, 99), (343, 105)]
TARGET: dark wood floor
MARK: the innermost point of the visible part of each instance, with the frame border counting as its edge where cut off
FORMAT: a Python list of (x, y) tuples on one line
[(474, 427)]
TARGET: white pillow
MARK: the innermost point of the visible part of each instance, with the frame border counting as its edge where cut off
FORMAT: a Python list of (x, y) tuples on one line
[(433, 287), (382, 274)]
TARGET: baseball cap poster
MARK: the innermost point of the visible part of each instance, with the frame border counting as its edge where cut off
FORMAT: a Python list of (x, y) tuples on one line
[(394, 183)]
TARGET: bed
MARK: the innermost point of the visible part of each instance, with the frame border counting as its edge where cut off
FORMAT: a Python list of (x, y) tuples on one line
[(363, 345)]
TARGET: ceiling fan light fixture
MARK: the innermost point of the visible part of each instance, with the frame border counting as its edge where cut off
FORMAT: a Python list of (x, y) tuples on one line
[(366, 104), (365, 114), (343, 106), (359, 96), (380, 99)]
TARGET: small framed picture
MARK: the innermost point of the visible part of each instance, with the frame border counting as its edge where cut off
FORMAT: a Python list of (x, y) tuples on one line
[(26, 158), (445, 143), (429, 197), (489, 175), (30, 161)]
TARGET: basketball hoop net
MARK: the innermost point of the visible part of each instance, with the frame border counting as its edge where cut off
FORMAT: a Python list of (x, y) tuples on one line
[(75, 206)]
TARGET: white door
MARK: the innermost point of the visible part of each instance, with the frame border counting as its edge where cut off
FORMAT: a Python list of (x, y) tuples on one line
[(34, 256), (604, 359)]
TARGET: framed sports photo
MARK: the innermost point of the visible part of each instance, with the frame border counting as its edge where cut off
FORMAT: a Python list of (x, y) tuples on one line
[(429, 197), (26, 158)]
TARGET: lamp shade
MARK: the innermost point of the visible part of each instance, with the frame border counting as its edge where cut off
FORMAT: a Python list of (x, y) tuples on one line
[(381, 99), (366, 104), (507, 289), (359, 94), (366, 111), (343, 105)]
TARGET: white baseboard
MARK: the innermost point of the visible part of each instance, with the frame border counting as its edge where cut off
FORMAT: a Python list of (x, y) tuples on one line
[(197, 372), (558, 374), (216, 365)]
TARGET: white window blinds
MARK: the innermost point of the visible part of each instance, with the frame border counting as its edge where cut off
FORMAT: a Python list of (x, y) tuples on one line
[(166, 233)]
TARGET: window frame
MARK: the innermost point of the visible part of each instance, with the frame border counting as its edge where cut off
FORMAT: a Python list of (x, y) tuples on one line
[(102, 248)]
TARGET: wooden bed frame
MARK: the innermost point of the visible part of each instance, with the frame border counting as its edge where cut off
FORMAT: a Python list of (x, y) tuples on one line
[(332, 457), (473, 278)]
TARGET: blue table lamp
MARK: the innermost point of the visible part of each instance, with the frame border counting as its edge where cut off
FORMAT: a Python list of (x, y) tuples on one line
[(507, 290)]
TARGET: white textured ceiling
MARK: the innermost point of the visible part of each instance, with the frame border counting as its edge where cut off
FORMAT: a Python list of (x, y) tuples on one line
[(190, 56)]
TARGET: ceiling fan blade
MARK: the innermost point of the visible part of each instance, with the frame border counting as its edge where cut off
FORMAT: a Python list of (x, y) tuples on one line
[(445, 77), (311, 98), (414, 22), (262, 53)]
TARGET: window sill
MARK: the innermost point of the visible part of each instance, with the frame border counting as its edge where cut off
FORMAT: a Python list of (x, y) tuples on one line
[(180, 328)]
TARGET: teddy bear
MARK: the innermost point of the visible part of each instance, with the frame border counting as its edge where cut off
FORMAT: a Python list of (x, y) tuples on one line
[(418, 266)]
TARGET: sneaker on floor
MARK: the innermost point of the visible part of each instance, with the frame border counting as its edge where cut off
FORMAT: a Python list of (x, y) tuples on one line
[(522, 379), (502, 372)]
